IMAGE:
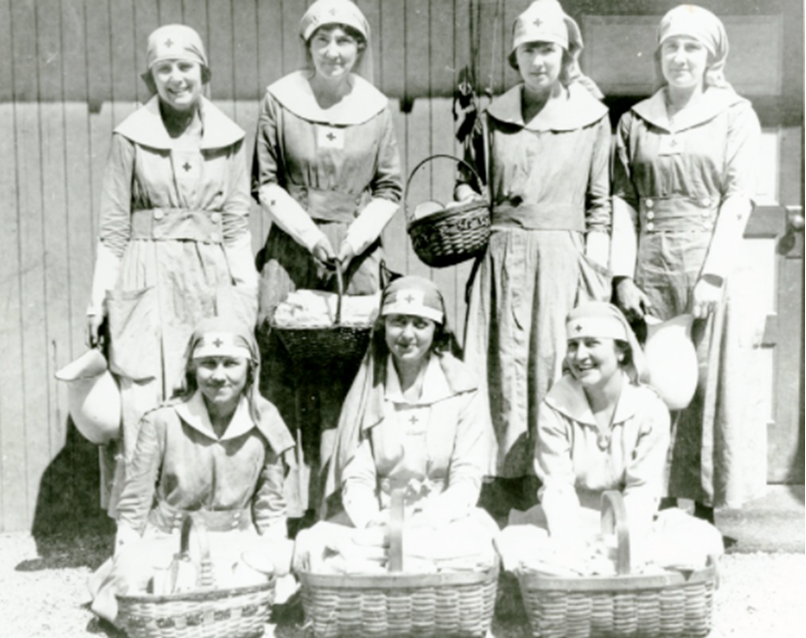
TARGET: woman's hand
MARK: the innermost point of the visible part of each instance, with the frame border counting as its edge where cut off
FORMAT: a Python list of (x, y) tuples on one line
[(324, 256), (346, 255), (94, 322), (707, 295), (633, 301)]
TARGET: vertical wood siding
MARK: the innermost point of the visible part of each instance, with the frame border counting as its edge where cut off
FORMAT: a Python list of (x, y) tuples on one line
[(69, 73)]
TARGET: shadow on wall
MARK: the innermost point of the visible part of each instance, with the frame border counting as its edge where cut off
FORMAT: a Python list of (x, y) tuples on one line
[(70, 528)]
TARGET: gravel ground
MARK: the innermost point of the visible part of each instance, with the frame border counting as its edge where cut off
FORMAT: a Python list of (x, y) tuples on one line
[(43, 594)]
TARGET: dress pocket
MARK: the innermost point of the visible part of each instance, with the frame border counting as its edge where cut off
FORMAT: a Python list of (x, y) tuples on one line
[(134, 331)]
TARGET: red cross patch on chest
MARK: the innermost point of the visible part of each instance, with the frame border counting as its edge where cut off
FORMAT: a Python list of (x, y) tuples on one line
[(329, 137)]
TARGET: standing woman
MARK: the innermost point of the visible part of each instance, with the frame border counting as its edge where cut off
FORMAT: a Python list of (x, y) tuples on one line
[(684, 177), (326, 170), (543, 151), (174, 242)]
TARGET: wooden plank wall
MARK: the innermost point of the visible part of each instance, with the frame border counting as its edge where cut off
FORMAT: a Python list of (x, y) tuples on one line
[(69, 72)]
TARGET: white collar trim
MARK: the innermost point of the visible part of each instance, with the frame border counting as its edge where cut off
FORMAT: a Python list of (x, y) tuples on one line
[(145, 127), (363, 103), (194, 413)]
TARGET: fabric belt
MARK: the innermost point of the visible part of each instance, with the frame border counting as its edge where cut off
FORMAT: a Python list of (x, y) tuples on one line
[(677, 214), (511, 214), (330, 206), (168, 518), (177, 223)]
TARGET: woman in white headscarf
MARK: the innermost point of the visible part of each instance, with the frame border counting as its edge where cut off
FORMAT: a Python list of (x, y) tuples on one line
[(174, 243), (326, 170), (683, 185), (543, 149)]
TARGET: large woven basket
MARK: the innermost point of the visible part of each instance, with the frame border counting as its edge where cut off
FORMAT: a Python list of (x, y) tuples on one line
[(640, 606), (441, 605), (315, 348), (452, 235), (236, 612)]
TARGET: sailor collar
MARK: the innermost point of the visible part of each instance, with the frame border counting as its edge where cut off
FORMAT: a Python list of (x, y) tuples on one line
[(363, 103), (146, 128), (575, 109), (713, 102), (194, 413), (567, 397)]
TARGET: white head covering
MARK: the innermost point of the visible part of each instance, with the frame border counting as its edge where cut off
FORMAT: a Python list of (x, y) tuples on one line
[(545, 21), (339, 12), (175, 42), (702, 25), (604, 320)]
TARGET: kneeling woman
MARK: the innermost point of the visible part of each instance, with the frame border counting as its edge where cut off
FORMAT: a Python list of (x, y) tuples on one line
[(214, 453), (416, 421), (602, 429)]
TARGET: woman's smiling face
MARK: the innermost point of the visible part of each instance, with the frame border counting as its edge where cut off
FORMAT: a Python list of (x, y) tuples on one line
[(593, 360), (179, 83), (221, 379), (334, 52)]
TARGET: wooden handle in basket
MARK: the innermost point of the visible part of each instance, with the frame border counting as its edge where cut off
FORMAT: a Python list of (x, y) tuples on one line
[(479, 183), (396, 520), (614, 519), (339, 290), (206, 568)]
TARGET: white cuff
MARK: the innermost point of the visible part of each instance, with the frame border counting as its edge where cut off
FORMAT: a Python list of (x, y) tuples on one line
[(286, 212), (624, 243), (105, 278), (370, 223)]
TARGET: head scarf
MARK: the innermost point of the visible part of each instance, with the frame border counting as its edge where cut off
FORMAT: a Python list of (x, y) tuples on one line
[(174, 42), (413, 296), (226, 336), (339, 12), (603, 320), (702, 25), (364, 404), (545, 21)]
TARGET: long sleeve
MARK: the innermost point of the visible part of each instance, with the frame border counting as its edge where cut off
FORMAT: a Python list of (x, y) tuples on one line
[(116, 196), (359, 486), (268, 504), (598, 216), (268, 183), (237, 237), (554, 467), (141, 474), (467, 462), (624, 244), (741, 155), (386, 190), (643, 476)]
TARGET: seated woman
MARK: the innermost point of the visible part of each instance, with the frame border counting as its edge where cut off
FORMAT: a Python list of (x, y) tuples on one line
[(215, 452), (603, 429), (414, 421)]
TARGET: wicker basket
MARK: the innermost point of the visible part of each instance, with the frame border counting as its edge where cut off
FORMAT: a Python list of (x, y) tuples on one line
[(452, 235), (318, 347), (645, 606), (395, 604), (236, 612)]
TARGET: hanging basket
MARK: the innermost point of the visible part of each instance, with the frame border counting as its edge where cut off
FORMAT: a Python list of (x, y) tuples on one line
[(674, 604), (316, 347), (451, 235), (455, 604), (235, 612)]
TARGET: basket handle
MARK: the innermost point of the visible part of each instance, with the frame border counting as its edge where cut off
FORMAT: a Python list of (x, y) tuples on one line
[(339, 291), (396, 518), (614, 519), (479, 183), (206, 567)]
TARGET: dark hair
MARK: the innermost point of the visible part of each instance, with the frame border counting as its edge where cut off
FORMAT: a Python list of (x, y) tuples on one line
[(353, 33), (148, 78), (444, 339), (623, 348), (568, 60)]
